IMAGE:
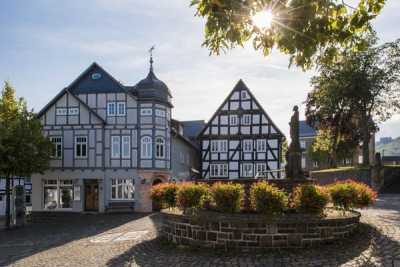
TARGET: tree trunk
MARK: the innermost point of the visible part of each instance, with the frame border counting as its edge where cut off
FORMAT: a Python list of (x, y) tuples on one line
[(365, 146), (8, 202)]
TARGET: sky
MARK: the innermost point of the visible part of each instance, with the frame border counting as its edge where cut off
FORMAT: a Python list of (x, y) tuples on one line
[(46, 44)]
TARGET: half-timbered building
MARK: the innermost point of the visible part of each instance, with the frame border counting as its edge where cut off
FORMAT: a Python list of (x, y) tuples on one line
[(240, 140), (112, 142)]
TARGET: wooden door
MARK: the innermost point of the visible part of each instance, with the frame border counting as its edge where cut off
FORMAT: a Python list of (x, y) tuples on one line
[(92, 196)]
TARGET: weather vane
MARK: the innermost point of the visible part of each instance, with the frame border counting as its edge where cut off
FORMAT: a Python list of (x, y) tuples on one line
[(151, 56)]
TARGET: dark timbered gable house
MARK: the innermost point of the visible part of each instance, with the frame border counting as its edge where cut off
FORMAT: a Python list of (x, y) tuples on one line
[(240, 140)]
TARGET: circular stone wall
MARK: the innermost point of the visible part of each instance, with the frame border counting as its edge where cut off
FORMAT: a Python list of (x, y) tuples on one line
[(252, 231)]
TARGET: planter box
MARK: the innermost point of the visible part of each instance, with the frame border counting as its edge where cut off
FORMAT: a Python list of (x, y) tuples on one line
[(255, 231)]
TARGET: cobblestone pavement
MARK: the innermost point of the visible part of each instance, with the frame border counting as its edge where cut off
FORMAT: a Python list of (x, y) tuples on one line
[(130, 240)]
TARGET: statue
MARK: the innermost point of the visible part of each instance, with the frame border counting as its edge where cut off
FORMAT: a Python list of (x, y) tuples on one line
[(293, 156)]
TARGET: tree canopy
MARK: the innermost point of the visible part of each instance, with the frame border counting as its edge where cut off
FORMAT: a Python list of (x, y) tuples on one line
[(308, 31), (352, 97), (23, 148)]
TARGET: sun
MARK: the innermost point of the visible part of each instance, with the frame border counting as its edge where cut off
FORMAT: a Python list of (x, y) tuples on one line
[(263, 19)]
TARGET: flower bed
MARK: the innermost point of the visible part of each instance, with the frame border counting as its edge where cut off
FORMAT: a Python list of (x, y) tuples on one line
[(225, 215)]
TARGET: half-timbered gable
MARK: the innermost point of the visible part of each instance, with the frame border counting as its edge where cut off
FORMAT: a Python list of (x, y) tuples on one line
[(240, 140)]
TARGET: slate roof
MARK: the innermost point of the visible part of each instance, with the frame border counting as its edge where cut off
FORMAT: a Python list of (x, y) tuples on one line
[(306, 130), (192, 128), (152, 88)]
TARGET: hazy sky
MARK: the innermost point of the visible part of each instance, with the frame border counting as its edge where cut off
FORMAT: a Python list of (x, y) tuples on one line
[(46, 44)]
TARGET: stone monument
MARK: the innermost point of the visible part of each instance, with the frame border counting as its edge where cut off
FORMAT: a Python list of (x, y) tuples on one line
[(293, 155)]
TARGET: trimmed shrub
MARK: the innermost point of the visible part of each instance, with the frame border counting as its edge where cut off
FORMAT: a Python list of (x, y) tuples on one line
[(352, 194), (366, 196), (268, 199), (309, 198), (191, 195), (164, 195), (227, 196), (343, 194)]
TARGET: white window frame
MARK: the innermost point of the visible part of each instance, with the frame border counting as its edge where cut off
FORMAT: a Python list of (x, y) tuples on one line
[(58, 143), (111, 111), (244, 95), (248, 145), (146, 111), (124, 186), (160, 113), (261, 169), (115, 147), (302, 144), (233, 120), (246, 119), (61, 111), (218, 170), (160, 147), (261, 145), (247, 169), (146, 148), (73, 111), (81, 144), (57, 184), (126, 147), (219, 146), (119, 111)]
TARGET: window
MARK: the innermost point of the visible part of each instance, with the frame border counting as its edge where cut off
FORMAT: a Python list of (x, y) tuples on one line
[(111, 109), (261, 145), (261, 170), (247, 169), (233, 120), (121, 109), (122, 189), (80, 146), (160, 148), (246, 119), (160, 113), (244, 95), (57, 149), (116, 109), (58, 194), (115, 146), (121, 147), (219, 145), (303, 144), (126, 147), (73, 111), (219, 170), (61, 111), (247, 145), (146, 147), (146, 112)]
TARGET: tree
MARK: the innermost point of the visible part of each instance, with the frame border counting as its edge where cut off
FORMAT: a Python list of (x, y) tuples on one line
[(328, 150), (358, 93), (23, 148), (307, 30)]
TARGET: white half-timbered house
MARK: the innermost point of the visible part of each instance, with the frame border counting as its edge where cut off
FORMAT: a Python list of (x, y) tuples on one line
[(240, 140)]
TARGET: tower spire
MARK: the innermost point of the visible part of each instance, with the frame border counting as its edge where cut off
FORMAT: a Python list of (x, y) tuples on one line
[(151, 57)]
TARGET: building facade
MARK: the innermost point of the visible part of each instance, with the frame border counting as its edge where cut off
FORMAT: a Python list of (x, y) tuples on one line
[(112, 143), (240, 140)]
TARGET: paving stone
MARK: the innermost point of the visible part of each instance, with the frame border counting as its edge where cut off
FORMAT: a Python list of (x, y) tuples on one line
[(131, 240)]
